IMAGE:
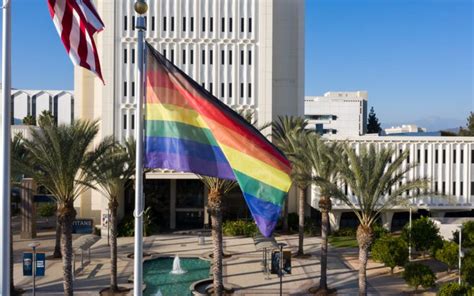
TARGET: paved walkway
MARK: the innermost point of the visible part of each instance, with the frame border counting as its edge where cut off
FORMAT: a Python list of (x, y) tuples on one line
[(243, 270)]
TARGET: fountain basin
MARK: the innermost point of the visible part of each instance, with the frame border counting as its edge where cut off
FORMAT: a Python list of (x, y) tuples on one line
[(157, 276)]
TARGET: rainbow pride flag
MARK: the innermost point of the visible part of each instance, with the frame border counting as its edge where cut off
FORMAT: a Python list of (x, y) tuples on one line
[(187, 129)]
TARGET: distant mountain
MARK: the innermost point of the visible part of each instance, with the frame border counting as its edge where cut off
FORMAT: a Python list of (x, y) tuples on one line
[(432, 123)]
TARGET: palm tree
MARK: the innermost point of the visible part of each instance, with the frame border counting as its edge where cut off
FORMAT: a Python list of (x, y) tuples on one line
[(378, 184), (289, 133), (321, 158), (217, 189), (112, 170), (59, 156)]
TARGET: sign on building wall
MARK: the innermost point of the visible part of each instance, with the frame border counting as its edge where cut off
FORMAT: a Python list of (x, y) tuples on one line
[(83, 226)]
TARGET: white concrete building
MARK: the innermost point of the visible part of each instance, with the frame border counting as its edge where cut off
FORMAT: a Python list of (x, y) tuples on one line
[(32, 102), (248, 53), (448, 162), (405, 128), (338, 113)]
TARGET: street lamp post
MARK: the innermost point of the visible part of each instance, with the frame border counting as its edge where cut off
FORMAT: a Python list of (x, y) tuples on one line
[(409, 238), (460, 253), (34, 245)]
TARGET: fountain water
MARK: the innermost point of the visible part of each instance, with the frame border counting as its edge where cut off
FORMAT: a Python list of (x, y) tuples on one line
[(177, 266)]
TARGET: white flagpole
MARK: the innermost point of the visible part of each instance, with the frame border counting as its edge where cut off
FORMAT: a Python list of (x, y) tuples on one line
[(141, 8), (5, 152)]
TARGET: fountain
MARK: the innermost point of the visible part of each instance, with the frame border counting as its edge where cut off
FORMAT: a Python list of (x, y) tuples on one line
[(177, 266)]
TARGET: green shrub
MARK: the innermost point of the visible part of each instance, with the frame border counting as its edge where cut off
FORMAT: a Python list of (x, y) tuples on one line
[(467, 268), (379, 231), (453, 289), (346, 231), (311, 227), (126, 227), (240, 227), (417, 275), (424, 235), (467, 235), (293, 221), (46, 210), (391, 251), (448, 254)]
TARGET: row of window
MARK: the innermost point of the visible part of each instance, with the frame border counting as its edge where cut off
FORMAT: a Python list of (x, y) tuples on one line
[(188, 24), (132, 122), (436, 188), (222, 94), (443, 156)]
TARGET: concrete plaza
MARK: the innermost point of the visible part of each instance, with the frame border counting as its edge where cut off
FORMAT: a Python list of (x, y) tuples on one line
[(242, 271)]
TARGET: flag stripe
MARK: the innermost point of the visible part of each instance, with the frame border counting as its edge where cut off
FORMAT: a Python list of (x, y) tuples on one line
[(76, 22), (174, 129)]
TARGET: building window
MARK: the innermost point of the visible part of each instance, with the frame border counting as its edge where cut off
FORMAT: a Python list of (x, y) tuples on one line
[(210, 87), (133, 89), (133, 23), (133, 122), (241, 57), (241, 90), (436, 187), (191, 57), (443, 189), (230, 25), (346, 189), (250, 57), (250, 25), (472, 188), (230, 57), (444, 156), (172, 55), (203, 57), (250, 90), (184, 57), (472, 156), (454, 156), (222, 57), (230, 90), (192, 24), (203, 24), (418, 156), (211, 58), (408, 157), (203, 85), (462, 156), (125, 121), (125, 56), (461, 188), (242, 21), (125, 88), (164, 53), (133, 55), (164, 23), (222, 89), (454, 188), (426, 155), (211, 24), (152, 25), (125, 23), (184, 24), (222, 24), (436, 156), (172, 24)]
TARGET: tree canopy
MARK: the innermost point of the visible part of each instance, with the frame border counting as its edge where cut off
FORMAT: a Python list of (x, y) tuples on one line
[(373, 124)]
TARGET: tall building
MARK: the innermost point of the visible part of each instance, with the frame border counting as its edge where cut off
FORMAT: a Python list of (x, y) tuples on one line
[(337, 113), (248, 53), (447, 163), (404, 129)]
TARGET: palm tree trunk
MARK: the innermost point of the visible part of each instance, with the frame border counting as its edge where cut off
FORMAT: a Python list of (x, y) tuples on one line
[(285, 217), (214, 198), (113, 205), (325, 207), (301, 203), (66, 217), (57, 245), (364, 238)]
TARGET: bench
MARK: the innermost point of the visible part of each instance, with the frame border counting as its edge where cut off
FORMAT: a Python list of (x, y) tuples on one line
[(265, 244), (81, 244)]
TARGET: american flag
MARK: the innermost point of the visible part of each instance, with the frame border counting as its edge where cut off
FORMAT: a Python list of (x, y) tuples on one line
[(76, 22)]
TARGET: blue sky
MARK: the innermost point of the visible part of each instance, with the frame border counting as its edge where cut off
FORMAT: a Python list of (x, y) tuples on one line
[(414, 57)]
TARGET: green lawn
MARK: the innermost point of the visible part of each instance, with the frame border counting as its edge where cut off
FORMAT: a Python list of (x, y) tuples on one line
[(343, 241)]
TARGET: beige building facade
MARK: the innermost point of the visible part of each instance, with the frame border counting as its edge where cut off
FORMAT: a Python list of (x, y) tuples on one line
[(248, 53)]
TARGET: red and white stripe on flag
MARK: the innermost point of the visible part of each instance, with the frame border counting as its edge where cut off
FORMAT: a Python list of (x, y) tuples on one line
[(76, 22)]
